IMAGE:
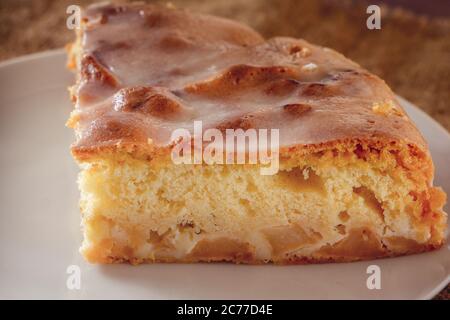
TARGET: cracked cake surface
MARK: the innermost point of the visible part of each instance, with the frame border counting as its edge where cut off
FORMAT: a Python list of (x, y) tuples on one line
[(355, 179)]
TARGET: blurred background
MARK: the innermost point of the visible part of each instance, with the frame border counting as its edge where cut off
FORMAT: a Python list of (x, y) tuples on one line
[(411, 51)]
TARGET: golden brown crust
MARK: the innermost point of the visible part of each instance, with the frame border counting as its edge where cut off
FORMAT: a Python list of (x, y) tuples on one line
[(313, 95)]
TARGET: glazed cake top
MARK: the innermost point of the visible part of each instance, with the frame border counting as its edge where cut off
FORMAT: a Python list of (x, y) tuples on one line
[(144, 71)]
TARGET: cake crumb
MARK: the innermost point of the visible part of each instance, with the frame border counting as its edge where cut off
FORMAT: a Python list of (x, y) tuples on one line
[(309, 67), (386, 108)]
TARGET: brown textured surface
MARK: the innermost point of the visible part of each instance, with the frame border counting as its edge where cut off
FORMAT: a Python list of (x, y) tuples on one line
[(410, 52)]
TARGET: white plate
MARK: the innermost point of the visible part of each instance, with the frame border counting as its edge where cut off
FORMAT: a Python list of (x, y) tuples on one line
[(39, 218)]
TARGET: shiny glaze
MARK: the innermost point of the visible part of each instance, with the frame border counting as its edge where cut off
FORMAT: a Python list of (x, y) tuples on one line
[(148, 70)]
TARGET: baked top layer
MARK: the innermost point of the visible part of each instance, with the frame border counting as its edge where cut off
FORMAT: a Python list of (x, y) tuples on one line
[(145, 71)]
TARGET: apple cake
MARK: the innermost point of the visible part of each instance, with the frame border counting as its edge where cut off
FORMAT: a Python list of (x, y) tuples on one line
[(354, 176)]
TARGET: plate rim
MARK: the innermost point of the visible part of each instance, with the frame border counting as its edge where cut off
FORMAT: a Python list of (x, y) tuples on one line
[(31, 56)]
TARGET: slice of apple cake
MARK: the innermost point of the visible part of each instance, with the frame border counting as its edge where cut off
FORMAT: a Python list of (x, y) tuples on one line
[(352, 175)]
